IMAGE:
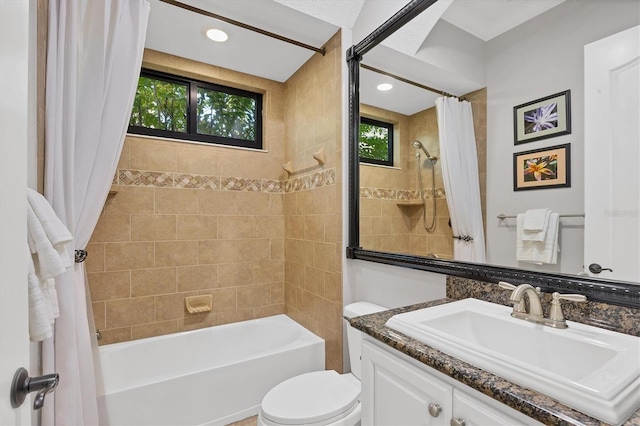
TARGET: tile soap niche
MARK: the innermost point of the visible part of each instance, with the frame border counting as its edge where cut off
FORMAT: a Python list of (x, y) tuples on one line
[(198, 304)]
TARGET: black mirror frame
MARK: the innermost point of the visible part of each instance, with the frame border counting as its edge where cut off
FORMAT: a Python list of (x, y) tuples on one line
[(600, 290)]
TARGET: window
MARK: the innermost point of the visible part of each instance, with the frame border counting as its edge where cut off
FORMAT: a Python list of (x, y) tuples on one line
[(376, 142), (180, 108)]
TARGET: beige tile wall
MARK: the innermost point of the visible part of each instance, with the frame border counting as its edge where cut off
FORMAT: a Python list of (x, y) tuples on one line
[(313, 218), (387, 226), (191, 219), (383, 225)]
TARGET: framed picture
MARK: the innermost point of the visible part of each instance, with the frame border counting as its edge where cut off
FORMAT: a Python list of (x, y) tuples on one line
[(543, 118), (542, 168)]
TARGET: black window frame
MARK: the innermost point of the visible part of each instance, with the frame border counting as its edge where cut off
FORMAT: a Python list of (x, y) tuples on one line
[(192, 100), (389, 127)]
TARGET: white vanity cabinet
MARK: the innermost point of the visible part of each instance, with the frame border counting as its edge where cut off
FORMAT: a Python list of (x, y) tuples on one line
[(398, 390)]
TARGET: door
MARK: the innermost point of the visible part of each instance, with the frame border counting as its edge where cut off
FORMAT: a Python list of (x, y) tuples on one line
[(14, 130), (612, 155)]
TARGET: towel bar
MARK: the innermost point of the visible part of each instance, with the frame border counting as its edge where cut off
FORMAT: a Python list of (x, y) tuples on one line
[(502, 216)]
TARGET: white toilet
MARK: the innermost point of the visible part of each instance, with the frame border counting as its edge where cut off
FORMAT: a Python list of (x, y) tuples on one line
[(321, 398)]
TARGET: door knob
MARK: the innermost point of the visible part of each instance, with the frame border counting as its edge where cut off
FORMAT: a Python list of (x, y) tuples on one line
[(22, 385), (596, 269)]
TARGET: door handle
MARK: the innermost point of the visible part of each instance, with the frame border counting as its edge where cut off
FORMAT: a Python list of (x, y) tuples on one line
[(596, 269), (22, 385)]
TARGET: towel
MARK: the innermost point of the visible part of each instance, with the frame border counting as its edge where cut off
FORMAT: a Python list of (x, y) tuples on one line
[(535, 225), (48, 257), (538, 252), (57, 233), (41, 317)]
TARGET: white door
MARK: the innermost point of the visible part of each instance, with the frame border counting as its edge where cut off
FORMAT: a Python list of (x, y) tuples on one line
[(612, 155), (14, 125)]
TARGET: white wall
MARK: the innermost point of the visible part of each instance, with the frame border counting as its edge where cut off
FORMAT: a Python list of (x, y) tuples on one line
[(542, 57)]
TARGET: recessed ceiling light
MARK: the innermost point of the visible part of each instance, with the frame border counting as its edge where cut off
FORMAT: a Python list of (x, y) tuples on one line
[(217, 35), (384, 87)]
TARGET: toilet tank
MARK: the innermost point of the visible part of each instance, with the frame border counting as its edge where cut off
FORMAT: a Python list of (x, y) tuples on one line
[(354, 336)]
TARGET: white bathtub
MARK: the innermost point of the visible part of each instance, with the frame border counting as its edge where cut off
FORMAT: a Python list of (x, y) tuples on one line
[(211, 376)]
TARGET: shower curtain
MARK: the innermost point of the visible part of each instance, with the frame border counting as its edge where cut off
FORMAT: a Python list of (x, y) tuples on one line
[(459, 162), (94, 55)]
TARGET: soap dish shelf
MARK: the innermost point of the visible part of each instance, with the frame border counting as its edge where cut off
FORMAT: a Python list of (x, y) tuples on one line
[(198, 304)]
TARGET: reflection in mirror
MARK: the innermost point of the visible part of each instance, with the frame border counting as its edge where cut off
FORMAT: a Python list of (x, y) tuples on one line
[(482, 52)]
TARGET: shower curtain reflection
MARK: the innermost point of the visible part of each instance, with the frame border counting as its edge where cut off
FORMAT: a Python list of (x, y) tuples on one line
[(461, 179)]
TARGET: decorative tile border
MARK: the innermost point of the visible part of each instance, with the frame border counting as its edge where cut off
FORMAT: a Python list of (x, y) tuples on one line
[(196, 181), (399, 194), (139, 178), (318, 179), (313, 180)]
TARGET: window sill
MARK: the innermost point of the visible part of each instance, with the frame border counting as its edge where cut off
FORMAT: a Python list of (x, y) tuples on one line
[(160, 138), (380, 165)]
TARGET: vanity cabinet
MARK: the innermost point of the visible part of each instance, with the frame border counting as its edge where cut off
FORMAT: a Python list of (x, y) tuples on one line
[(397, 389)]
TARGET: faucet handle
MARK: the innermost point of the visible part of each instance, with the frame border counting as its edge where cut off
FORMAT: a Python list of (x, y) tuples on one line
[(506, 285), (555, 314)]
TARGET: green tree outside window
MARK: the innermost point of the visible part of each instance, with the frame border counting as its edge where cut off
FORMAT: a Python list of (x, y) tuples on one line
[(376, 142)]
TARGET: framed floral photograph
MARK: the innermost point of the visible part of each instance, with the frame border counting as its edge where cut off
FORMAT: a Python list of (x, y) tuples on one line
[(543, 118), (542, 168)]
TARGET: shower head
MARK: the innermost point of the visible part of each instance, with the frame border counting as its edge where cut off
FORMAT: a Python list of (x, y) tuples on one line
[(418, 145)]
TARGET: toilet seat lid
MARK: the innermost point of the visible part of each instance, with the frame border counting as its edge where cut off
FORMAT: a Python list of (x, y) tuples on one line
[(310, 398)]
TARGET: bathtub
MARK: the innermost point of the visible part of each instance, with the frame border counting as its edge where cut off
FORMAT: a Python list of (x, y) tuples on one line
[(211, 376)]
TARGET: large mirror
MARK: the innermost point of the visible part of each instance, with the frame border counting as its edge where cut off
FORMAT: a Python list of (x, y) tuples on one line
[(537, 130)]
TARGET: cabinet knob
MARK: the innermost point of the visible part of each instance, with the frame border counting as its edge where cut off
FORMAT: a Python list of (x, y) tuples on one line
[(435, 409), (457, 422)]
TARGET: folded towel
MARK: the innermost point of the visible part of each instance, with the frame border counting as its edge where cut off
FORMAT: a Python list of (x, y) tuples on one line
[(538, 252), (49, 257), (41, 316), (57, 233), (535, 225), (49, 260)]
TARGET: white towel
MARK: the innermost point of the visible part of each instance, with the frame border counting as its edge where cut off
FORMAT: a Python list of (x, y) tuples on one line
[(538, 252), (48, 257), (57, 233), (536, 224), (41, 316)]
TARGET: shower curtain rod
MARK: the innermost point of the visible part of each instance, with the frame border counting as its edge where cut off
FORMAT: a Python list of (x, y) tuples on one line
[(413, 83), (203, 12)]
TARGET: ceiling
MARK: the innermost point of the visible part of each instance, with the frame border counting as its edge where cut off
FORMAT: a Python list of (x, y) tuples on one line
[(418, 51)]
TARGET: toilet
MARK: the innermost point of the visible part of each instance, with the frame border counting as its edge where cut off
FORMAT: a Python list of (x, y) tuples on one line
[(321, 398)]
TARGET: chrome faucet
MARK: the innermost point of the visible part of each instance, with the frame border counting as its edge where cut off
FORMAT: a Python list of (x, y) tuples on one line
[(535, 314)]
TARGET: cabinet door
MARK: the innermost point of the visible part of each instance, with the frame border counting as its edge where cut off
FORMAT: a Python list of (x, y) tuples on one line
[(397, 393), (477, 413)]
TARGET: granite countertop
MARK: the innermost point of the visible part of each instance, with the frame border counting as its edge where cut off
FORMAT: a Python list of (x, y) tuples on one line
[(531, 403)]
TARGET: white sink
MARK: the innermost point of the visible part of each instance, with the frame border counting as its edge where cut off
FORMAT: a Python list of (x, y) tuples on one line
[(593, 370)]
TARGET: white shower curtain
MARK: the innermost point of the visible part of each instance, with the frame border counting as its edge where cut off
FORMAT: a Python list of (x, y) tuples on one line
[(459, 162), (94, 56)]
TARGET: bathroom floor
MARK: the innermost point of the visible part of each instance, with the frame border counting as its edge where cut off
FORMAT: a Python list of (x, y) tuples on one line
[(251, 421)]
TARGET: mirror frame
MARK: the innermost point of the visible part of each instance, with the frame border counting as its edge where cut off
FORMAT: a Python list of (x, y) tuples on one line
[(614, 292)]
